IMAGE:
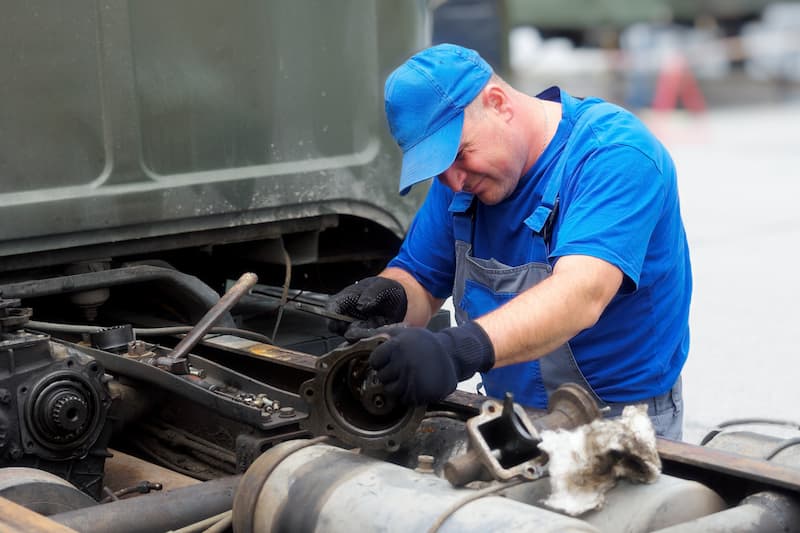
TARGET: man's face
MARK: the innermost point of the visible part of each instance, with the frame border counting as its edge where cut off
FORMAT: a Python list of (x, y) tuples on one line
[(487, 164)]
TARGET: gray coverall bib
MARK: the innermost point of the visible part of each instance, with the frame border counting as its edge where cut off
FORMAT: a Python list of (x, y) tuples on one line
[(483, 285)]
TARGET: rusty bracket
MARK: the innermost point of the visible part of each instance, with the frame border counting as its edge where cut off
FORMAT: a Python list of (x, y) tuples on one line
[(504, 442)]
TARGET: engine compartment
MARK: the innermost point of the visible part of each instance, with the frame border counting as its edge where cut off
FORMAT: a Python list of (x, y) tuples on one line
[(247, 435)]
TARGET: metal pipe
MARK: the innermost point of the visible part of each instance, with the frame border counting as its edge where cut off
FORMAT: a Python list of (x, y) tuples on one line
[(155, 512), (464, 468), (145, 332), (304, 488), (764, 512), (228, 300), (199, 293)]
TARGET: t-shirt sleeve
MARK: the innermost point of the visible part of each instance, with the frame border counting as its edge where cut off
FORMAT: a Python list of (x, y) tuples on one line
[(428, 251), (611, 204)]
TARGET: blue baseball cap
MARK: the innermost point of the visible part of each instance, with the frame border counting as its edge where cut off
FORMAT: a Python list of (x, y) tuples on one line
[(425, 99)]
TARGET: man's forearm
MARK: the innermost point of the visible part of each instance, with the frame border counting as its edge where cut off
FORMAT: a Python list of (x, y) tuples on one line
[(421, 304), (549, 314)]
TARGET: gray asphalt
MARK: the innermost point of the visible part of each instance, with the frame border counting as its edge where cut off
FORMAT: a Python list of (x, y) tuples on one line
[(739, 178)]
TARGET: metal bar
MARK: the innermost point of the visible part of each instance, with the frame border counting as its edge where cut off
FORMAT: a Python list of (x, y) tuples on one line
[(740, 466), (228, 300)]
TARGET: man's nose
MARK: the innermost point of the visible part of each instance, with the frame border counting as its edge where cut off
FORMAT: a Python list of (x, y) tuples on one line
[(454, 178)]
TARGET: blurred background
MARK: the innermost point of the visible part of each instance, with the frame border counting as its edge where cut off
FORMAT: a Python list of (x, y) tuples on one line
[(718, 81)]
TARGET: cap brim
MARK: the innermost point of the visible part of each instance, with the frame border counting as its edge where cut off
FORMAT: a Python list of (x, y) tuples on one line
[(431, 156)]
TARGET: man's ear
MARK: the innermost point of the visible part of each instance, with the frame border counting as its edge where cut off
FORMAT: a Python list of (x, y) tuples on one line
[(495, 99)]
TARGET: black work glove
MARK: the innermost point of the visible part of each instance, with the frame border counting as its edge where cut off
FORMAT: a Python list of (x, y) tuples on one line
[(373, 301), (420, 366)]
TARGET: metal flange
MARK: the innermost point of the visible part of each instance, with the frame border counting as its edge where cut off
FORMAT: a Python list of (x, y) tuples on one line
[(348, 402)]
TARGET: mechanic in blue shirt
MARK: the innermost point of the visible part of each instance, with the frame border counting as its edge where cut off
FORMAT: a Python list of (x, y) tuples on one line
[(554, 223)]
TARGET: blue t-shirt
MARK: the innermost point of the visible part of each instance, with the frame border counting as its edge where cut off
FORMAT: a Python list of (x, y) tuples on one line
[(618, 201)]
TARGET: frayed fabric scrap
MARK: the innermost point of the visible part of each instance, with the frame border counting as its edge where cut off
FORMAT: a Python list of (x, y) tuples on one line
[(584, 463)]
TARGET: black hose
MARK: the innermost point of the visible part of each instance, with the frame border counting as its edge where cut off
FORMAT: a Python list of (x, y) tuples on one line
[(788, 443), (198, 294)]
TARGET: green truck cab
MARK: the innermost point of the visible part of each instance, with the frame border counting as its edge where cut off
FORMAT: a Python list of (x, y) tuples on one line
[(206, 134)]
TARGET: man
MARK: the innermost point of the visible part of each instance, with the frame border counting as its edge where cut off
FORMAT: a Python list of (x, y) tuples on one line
[(553, 222)]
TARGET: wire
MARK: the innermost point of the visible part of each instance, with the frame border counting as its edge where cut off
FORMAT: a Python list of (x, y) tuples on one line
[(222, 525), (205, 524), (245, 334), (287, 260), (476, 495), (766, 421), (788, 443), (744, 422), (296, 294), (147, 332)]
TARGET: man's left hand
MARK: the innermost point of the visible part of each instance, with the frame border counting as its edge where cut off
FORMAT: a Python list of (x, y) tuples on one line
[(420, 366)]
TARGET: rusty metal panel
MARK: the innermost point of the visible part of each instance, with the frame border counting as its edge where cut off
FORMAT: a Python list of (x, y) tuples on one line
[(710, 460)]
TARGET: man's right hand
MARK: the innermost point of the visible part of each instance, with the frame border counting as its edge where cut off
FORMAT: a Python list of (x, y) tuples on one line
[(373, 302)]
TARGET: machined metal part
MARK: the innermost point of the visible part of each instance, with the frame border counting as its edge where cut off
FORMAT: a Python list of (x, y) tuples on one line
[(502, 445), (347, 401), (115, 338), (12, 316), (503, 441), (53, 407), (569, 406), (229, 402), (64, 411), (61, 399)]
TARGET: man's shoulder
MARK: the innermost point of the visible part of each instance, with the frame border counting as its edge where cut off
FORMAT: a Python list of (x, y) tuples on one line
[(601, 117), (601, 124)]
